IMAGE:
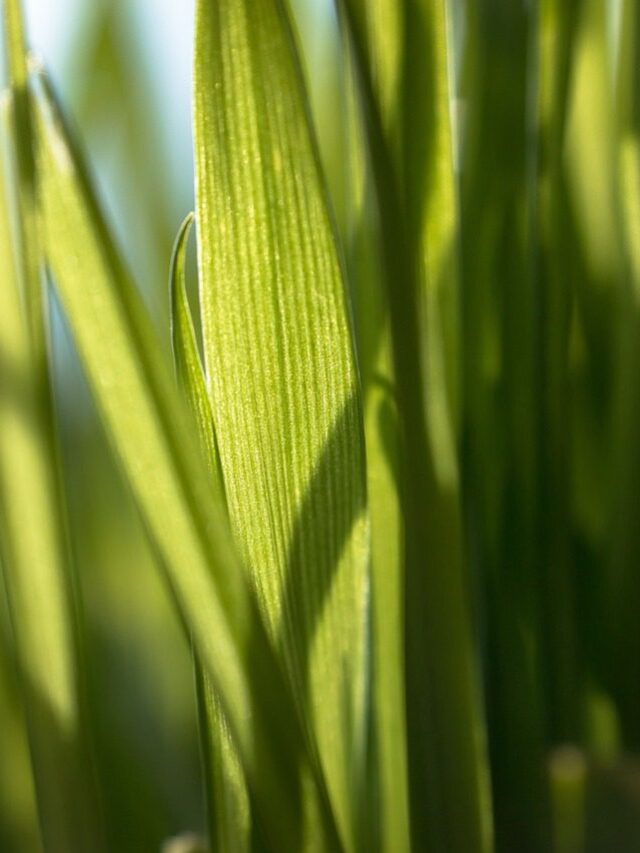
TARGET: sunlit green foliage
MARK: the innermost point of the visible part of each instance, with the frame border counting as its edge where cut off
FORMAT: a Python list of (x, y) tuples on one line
[(375, 527)]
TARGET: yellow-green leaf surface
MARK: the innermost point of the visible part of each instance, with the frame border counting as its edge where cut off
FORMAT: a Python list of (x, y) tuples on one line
[(227, 799), (35, 573), (183, 513), (281, 371)]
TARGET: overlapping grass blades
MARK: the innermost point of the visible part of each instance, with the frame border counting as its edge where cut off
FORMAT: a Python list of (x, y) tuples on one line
[(486, 431), (182, 511)]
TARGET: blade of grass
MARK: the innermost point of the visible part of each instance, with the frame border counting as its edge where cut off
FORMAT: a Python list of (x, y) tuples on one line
[(187, 358), (183, 514), (438, 595), (35, 572), (501, 386), (227, 799), (20, 119), (448, 769), (389, 820), (282, 374)]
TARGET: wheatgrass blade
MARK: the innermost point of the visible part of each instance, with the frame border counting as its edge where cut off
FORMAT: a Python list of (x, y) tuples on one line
[(389, 823), (282, 374)]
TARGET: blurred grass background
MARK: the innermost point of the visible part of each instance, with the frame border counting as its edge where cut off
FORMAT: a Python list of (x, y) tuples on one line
[(552, 409)]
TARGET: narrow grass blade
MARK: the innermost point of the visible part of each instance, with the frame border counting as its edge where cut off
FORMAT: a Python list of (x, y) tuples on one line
[(438, 591), (282, 373), (389, 823), (227, 798), (20, 120), (226, 793), (35, 572), (412, 162), (187, 358), (502, 335), (183, 514)]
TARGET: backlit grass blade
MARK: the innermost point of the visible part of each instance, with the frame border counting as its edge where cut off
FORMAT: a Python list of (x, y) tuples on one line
[(186, 356), (389, 781), (183, 513), (35, 574), (281, 371), (226, 793), (412, 162), (28, 267)]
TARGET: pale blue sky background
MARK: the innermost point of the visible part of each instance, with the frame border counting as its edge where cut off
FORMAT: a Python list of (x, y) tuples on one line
[(165, 35)]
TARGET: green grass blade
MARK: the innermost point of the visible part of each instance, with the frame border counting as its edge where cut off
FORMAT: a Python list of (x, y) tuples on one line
[(226, 793), (502, 336), (187, 358), (184, 516), (438, 593), (413, 171), (20, 120), (390, 821), (227, 798), (35, 571), (281, 370)]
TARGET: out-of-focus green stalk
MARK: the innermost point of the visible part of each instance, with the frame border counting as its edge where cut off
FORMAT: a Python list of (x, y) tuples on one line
[(34, 523), (412, 165), (579, 271), (568, 771), (19, 119), (500, 316), (445, 718), (388, 822), (34, 552), (624, 588)]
